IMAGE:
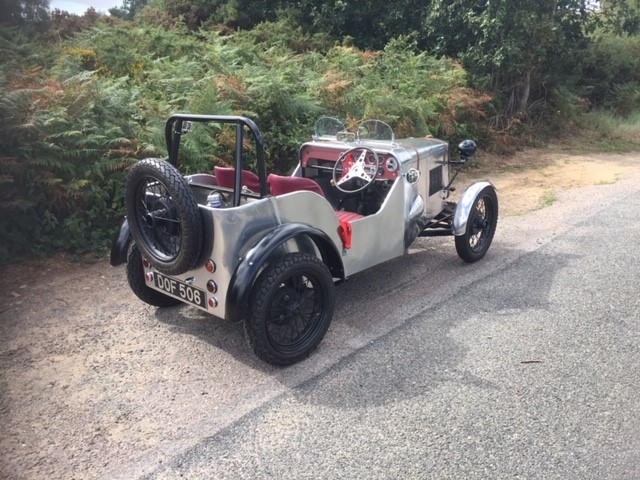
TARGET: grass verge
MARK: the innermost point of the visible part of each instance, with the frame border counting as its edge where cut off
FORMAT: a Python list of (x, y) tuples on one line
[(605, 132)]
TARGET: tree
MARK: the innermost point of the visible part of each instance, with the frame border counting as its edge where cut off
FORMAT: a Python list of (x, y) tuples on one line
[(370, 24), (514, 47), (66, 25), (233, 14), (21, 12), (128, 9), (620, 16)]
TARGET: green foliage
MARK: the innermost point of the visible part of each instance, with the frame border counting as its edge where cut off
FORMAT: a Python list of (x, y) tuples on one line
[(63, 151), (128, 9), (87, 99), (64, 165), (607, 132), (610, 73), (520, 50), (620, 17), (78, 113), (24, 12), (370, 23), (66, 25)]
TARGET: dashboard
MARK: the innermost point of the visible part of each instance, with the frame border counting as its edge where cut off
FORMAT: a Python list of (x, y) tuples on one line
[(324, 159)]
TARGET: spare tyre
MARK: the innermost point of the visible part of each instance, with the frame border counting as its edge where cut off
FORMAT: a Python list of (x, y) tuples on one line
[(163, 215)]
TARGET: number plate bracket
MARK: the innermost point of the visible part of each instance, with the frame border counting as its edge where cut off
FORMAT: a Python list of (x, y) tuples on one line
[(181, 290)]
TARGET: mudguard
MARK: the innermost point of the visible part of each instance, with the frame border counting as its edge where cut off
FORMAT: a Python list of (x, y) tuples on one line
[(465, 204), (257, 257), (120, 244)]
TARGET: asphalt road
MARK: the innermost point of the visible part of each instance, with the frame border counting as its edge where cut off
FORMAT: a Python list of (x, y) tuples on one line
[(525, 365)]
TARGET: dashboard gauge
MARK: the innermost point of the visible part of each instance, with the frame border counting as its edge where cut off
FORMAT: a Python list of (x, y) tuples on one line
[(391, 164)]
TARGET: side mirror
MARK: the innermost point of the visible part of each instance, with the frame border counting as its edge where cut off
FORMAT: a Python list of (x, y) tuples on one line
[(467, 149)]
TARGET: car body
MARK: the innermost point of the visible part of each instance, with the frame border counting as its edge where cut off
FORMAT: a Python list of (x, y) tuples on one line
[(268, 249)]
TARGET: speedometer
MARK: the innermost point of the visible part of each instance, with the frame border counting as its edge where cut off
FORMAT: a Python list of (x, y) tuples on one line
[(391, 164)]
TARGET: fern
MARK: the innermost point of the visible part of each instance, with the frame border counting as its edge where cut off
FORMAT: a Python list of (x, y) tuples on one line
[(80, 112)]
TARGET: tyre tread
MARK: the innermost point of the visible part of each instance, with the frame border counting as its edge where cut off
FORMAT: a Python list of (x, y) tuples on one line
[(462, 242), (135, 277), (188, 213), (261, 295)]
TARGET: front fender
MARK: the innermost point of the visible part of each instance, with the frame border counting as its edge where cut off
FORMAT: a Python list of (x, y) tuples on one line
[(463, 210), (257, 257), (120, 244)]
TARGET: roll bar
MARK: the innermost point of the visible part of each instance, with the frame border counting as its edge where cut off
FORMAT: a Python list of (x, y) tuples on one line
[(175, 128)]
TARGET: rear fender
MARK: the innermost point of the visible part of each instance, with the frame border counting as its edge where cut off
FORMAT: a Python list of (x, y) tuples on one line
[(463, 210), (258, 257), (120, 244)]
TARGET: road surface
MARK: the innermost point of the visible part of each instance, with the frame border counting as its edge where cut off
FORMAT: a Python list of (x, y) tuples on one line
[(524, 365)]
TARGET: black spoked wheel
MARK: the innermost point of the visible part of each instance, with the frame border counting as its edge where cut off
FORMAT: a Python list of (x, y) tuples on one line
[(481, 227), (135, 276), (163, 215), (291, 309)]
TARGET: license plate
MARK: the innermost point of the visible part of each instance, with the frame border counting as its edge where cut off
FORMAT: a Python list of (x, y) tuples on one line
[(183, 291)]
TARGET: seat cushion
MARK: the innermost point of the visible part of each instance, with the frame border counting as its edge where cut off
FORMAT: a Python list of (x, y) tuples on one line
[(344, 216), (226, 177), (280, 185)]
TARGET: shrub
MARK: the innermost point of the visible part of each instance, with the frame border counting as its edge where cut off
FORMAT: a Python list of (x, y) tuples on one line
[(611, 73), (78, 113)]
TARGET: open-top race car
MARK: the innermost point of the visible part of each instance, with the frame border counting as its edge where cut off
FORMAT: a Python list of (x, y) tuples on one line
[(268, 249)]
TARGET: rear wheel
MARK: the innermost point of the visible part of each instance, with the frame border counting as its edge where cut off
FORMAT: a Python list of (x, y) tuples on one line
[(291, 308), (135, 276), (163, 215), (481, 226)]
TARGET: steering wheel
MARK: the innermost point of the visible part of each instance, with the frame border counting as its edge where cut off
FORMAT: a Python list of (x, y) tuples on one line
[(357, 162)]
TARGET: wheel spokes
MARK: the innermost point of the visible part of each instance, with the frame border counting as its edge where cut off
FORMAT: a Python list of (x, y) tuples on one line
[(157, 218), (480, 221), (294, 311)]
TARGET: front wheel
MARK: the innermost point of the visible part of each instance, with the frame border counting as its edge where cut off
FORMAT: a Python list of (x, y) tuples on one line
[(291, 308), (481, 226)]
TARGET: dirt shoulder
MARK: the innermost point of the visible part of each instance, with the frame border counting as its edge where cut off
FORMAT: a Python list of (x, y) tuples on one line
[(91, 377), (527, 181)]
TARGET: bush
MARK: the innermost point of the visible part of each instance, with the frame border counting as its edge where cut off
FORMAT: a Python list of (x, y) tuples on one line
[(611, 74), (78, 113), (64, 148)]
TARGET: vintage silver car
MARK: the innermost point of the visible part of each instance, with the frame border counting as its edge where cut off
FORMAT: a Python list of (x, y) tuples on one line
[(268, 249)]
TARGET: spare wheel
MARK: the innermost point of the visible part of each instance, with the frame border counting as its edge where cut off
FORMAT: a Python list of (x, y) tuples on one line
[(163, 215)]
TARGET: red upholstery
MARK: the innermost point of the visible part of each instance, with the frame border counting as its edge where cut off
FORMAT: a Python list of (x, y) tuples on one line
[(280, 185), (344, 216), (345, 231), (226, 177)]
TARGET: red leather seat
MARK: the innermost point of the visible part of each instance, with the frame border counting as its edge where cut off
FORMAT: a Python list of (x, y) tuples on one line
[(226, 177), (280, 185), (344, 216)]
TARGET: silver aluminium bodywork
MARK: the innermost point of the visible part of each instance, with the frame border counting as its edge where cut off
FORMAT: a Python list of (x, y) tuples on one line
[(465, 204), (414, 198)]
